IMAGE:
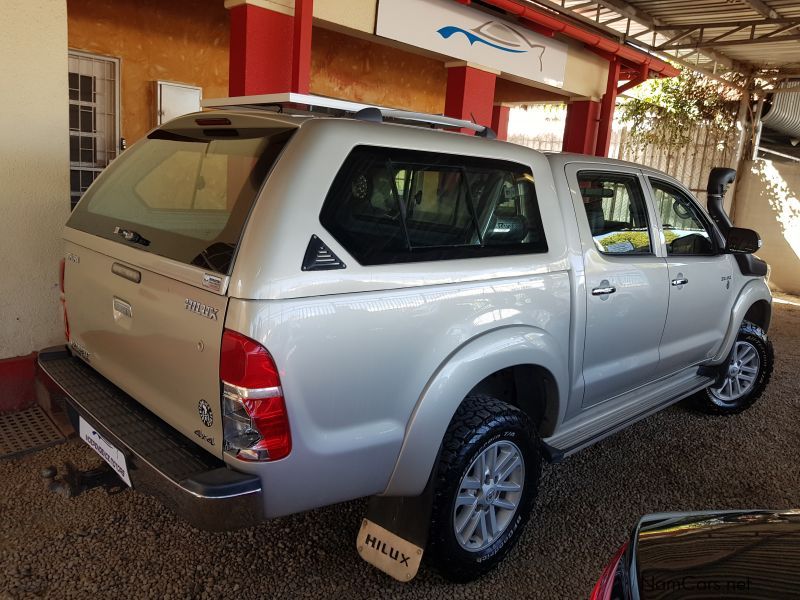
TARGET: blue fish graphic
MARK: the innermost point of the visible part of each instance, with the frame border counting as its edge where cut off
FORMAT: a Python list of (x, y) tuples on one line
[(450, 30)]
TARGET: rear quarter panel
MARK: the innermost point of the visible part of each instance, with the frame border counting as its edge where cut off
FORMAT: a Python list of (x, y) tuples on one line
[(355, 367)]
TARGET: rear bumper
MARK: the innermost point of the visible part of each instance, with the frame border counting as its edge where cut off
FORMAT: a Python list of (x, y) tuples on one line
[(161, 462)]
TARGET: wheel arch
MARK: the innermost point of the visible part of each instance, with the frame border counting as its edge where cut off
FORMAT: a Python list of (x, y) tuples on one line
[(754, 300), (759, 313), (515, 355), (530, 387)]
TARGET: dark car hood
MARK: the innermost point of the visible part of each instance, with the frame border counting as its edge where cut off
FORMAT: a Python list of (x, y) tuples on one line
[(732, 555)]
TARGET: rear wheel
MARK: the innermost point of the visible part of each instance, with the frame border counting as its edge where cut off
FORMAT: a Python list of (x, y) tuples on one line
[(485, 485), (746, 374)]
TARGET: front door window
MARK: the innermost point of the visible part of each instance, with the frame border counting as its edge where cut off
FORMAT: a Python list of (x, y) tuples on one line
[(684, 230)]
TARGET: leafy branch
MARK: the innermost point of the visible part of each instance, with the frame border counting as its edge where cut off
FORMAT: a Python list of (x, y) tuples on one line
[(664, 112)]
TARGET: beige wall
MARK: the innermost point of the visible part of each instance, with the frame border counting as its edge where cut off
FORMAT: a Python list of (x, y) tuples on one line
[(185, 41), (34, 171), (768, 200), (348, 67), (354, 14), (586, 74)]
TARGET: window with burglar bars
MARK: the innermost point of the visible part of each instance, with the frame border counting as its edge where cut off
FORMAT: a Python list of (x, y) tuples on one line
[(93, 118)]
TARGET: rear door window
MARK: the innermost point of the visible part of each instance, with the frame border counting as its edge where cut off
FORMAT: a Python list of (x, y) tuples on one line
[(390, 205), (185, 194), (616, 211)]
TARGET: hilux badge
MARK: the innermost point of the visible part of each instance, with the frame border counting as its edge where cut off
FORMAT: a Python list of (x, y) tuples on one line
[(201, 309), (206, 415)]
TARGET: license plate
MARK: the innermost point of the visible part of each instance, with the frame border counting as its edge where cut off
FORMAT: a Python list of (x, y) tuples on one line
[(107, 451)]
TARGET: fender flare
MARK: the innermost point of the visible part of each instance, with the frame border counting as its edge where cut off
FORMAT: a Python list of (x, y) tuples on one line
[(753, 291), (452, 381)]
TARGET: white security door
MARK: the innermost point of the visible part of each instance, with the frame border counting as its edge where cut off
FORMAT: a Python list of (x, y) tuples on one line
[(93, 118)]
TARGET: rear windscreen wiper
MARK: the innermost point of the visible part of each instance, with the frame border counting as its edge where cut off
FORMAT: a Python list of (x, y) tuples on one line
[(131, 236)]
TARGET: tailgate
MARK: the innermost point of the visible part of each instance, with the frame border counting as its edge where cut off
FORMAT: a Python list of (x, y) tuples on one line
[(158, 340), (149, 250)]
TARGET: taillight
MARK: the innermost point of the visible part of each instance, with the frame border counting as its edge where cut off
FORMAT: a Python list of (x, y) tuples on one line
[(255, 422), (605, 585), (61, 270)]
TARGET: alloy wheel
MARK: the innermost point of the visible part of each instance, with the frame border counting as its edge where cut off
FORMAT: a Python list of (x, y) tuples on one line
[(741, 376), (488, 496)]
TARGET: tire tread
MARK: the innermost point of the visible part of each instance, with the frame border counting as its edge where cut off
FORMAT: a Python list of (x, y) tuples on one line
[(476, 416)]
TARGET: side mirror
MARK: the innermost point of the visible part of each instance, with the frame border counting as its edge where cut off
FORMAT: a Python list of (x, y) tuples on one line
[(742, 241)]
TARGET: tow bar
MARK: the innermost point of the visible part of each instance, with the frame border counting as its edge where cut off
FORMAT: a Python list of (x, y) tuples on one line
[(74, 481)]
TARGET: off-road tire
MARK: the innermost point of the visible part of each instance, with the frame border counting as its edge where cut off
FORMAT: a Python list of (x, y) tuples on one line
[(705, 401), (479, 422)]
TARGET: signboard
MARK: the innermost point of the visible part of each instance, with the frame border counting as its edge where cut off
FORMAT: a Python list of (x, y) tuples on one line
[(452, 29)]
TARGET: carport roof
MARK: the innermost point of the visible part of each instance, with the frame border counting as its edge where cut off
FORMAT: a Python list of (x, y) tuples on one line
[(752, 37)]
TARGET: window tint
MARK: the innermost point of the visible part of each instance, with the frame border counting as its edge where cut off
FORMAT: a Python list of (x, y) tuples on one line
[(388, 205), (187, 194), (616, 211), (684, 228)]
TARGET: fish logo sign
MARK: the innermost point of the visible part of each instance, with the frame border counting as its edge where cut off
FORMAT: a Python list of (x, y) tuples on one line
[(498, 36)]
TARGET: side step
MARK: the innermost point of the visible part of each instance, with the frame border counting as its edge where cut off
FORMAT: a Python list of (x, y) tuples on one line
[(588, 430)]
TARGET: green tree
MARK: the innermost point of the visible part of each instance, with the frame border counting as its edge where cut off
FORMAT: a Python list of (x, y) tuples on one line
[(664, 112)]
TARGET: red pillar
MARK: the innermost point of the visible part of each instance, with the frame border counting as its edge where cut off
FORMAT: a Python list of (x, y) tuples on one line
[(301, 51), (580, 128), (270, 51), (500, 121), (470, 94), (607, 110)]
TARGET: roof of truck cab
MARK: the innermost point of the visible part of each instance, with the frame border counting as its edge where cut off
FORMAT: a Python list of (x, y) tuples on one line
[(560, 159), (298, 119), (253, 114)]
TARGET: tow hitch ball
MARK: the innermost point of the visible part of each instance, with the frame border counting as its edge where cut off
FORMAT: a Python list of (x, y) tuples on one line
[(75, 482)]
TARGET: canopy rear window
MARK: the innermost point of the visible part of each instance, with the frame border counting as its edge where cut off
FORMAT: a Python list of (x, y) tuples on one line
[(183, 194)]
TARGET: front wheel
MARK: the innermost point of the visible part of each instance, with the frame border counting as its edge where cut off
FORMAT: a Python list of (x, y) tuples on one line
[(485, 485), (745, 374)]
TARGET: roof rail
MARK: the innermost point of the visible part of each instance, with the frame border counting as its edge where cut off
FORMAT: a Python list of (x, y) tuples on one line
[(376, 114), (306, 103)]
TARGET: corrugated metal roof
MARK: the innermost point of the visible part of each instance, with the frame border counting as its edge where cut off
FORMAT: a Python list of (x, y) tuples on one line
[(758, 36)]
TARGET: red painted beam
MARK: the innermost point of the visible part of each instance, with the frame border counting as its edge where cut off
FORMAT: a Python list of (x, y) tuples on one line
[(500, 116), (470, 95), (580, 128), (260, 51), (301, 45), (640, 77), (607, 110)]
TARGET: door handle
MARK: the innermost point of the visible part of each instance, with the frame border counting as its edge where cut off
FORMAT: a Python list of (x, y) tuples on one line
[(680, 281), (602, 291)]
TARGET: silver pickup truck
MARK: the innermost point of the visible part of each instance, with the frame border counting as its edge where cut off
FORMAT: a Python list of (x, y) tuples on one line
[(269, 311)]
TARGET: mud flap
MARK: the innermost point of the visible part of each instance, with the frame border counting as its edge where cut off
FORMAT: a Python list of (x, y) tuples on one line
[(394, 533)]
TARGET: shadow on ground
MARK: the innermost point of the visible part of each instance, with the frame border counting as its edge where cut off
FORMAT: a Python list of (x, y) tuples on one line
[(128, 545)]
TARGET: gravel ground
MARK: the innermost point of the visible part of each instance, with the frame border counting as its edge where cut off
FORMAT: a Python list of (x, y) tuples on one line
[(128, 545)]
